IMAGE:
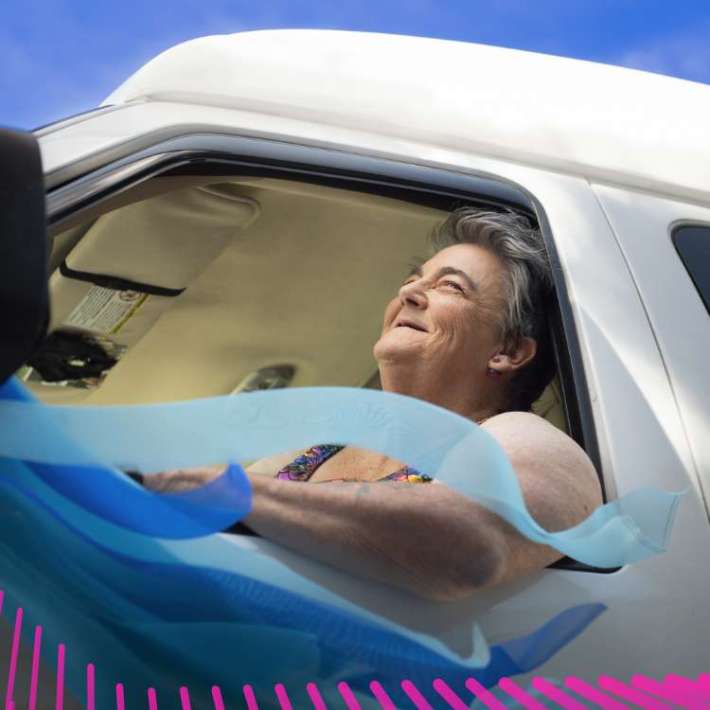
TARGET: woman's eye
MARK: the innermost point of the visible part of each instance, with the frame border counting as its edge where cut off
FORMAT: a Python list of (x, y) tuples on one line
[(453, 284)]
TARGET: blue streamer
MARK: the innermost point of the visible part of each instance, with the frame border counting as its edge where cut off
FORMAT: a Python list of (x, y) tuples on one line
[(115, 498), (258, 424), (144, 575), (204, 625)]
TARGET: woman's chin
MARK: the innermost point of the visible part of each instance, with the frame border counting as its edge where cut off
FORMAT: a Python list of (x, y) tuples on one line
[(392, 348)]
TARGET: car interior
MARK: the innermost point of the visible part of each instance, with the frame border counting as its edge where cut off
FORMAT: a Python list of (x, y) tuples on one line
[(195, 286)]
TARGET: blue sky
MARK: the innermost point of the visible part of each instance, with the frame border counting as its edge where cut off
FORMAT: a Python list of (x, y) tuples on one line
[(61, 57)]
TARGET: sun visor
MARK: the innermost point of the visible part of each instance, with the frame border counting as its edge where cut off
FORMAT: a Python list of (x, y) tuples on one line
[(127, 270), (162, 243)]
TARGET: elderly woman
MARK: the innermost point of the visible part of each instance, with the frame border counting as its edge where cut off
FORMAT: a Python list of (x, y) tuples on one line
[(466, 331)]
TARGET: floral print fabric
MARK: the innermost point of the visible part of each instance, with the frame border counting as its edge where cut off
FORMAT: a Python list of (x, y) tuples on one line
[(303, 467)]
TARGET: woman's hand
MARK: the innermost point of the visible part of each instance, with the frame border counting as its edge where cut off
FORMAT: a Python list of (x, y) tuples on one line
[(181, 480)]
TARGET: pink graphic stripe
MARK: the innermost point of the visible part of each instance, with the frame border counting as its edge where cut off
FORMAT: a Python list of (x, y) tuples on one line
[(630, 694), (380, 694), (484, 695), (554, 693), (13, 658), (684, 688), (653, 686), (250, 698), (34, 677), (518, 694), (60, 677), (217, 698), (350, 702), (415, 696), (442, 687), (590, 693), (691, 685), (315, 696), (282, 697), (90, 687), (120, 700), (185, 699), (152, 699)]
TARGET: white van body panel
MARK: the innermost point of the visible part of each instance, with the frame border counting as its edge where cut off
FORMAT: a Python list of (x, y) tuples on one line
[(568, 115)]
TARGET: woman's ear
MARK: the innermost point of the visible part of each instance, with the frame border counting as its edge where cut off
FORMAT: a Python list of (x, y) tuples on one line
[(514, 357)]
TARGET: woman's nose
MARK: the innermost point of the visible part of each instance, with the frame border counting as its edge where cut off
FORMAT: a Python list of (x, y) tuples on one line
[(413, 293)]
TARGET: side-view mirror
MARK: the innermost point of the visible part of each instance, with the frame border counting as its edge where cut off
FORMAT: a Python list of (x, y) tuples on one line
[(24, 295)]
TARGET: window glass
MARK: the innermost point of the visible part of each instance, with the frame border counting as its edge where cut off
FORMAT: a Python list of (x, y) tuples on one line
[(693, 245)]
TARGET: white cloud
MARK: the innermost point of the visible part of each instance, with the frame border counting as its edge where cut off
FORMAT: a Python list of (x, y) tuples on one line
[(683, 54)]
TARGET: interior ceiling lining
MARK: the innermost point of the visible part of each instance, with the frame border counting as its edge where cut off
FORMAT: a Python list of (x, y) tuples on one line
[(304, 283)]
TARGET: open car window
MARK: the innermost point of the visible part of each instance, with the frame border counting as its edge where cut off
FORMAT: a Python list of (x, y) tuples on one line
[(230, 283)]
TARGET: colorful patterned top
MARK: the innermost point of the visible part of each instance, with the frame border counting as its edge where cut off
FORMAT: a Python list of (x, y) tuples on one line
[(302, 468)]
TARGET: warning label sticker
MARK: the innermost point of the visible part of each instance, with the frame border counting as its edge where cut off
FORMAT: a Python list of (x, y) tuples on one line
[(105, 310)]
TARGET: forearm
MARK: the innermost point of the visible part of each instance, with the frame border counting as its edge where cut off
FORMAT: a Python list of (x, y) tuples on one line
[(423, 538)]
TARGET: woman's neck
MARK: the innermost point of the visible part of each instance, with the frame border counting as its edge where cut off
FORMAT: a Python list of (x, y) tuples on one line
[(461, 395)]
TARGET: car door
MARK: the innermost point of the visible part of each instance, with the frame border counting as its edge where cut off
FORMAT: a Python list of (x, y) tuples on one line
[(618, 405)]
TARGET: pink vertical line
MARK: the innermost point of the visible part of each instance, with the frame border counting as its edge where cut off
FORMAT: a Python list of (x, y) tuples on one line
[(415, 696), (350, 702), (90, 688), (2, 596), (152, 699), (282, 697), (518, 694), (120, 700), (250, 698), (442, 687), (315, 696), (60, 677), (217, 698), (13, 658), (590, 693), (686, 688), (185, 698), (35, 668), (380, 694), (554, 693), (630, 694), (484, 695), (704, 692)]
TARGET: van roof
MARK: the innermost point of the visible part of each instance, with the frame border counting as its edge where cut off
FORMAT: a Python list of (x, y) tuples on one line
[(603, 122)]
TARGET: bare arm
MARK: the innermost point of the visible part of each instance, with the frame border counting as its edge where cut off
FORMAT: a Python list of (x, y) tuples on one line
[(421, 537), (427, 538)]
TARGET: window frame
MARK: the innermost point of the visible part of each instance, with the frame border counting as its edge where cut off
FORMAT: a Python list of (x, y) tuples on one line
[(196, 153)]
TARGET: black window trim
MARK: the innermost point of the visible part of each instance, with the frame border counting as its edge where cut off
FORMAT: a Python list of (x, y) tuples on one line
[(676, 228), (414, 182)]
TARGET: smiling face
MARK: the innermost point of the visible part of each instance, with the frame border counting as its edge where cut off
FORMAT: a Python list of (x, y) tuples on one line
[(447, 314)]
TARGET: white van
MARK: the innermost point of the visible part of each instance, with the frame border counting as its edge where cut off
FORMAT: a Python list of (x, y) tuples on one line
[(234, 180)]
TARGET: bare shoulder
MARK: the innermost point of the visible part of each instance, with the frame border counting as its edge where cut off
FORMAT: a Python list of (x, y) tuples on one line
[(559, 483)]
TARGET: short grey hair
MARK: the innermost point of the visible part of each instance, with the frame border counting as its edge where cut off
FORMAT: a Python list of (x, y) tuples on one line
[(520, 247)]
